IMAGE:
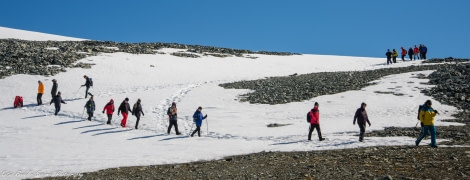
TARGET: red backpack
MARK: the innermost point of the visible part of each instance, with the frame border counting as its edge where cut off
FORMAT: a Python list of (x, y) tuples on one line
[(18, 101)]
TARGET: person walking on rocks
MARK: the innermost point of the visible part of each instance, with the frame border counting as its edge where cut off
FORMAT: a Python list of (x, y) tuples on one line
[(394, 56), (426, 116), (124, 109), (57, 100), (403, 54), (314, 116), (55, 86), (197, 118), (362, 119), (410, 54), (423, 51), (389, 56), (40, 92), (90, 108), (136, 111), (172, 117), (109, 108), (87, 85)]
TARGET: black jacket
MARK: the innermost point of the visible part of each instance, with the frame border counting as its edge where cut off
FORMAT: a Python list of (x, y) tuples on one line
[(137, 109), (388, 54), (57, 100), (410, 51), (124, 107), (87, 82), (54, 89)]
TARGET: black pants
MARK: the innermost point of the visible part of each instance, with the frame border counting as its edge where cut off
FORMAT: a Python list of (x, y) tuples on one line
[(411, 57), (110, 116), (198, 130), (362, 128), (394, 59), (403, 57), (138, 119), (90, 115), (39, 98), (175, 123), (57, 109), (389, 60), (312, 127)]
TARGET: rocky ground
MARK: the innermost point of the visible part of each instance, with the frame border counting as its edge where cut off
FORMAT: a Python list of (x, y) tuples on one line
[(451, 160)]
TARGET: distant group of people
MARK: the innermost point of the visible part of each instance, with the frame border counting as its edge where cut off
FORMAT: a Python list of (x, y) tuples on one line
[(425, 116), (415, 53), (124, 108)]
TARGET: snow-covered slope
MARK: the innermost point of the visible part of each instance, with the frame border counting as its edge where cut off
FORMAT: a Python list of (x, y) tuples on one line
[(10, 33), (35, 143)]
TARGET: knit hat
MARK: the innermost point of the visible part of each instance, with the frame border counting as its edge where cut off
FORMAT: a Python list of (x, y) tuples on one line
[(127, 99)]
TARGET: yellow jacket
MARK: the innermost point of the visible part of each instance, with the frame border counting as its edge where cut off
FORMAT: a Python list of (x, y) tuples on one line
[(41, 88), (426, 116)]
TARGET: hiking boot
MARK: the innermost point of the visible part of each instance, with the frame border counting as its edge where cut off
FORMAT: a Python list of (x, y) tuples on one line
[(322, 139), (178, 133)]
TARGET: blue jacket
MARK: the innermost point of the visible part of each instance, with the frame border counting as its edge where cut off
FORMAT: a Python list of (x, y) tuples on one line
[(90, 106), (197, 117)]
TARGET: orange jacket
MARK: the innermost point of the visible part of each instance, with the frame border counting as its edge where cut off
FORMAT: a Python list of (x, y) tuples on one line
[(41, 88)]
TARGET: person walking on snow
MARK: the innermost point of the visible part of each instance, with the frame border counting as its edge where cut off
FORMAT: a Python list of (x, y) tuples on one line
[(40, 92), (55, 86), (87, 85), (426, 116), (410, 54), (124, 109), (136, 111), (416, 53), (423, 51), (315, 122), (394, 56), (172, 118), (90, 108), (57, 100), (362, 119), (389, 56), (403, 54), (197, 118), (109, 108)]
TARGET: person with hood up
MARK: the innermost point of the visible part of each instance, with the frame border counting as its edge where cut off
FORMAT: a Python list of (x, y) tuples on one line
[(426, 116), (136, 111), (90, 108), (57, 100), (109, 108), (124, 108), (197, 118), (362, 119), (40, 92), (172, 113), (315, 122)]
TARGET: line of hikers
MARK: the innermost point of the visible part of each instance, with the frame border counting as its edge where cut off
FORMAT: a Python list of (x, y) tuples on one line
[(426, 116), (124, 107), (415, 53)]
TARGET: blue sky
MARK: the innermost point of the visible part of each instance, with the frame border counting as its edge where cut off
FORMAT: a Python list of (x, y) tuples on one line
[(336, 27)]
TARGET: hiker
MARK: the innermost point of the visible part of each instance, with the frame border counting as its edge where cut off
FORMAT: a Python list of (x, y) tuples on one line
[(426, 116), (394, 56), (124, 109), (197, 118), (315, 122), (423, 51), (109, 108), (403, 54), (57, 100), (90, 108), (416, 53), (389, 56), (136, 110), (361, 116), (172, 118), (55, 86), (87, 85), (410, 53), (40, 92)]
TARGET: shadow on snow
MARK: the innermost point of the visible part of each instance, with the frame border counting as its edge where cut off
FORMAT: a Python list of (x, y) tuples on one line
[(145, 137), (112, 132)]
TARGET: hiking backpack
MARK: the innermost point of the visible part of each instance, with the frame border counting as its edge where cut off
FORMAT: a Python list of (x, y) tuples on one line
[(18, 101), (91, 81), (419, 109), (309, 117)]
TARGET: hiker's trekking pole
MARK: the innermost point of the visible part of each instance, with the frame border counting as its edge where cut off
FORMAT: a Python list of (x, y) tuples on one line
[(207, 123)]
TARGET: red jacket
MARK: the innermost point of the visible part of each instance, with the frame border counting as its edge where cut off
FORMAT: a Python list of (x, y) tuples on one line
[(416, 50), (315, 116), (109, 108), (403, 52)]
